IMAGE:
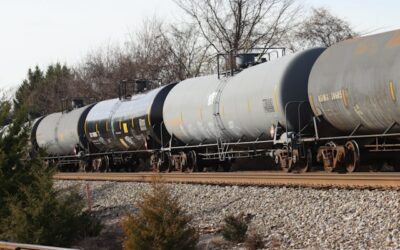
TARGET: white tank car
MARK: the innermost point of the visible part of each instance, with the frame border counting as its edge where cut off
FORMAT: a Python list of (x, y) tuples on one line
[(59, 133)]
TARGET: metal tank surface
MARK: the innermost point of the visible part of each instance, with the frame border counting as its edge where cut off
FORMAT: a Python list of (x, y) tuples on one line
[(244, 106), (59, 133), (357, 83), (188, 110), (267, 94), (128, 124)]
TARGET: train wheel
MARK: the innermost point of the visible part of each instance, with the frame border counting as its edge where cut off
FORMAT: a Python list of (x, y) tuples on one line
[(155, 163), (85, 166), (352, 157), (191, 161), (181, 162), (326, 155), (297, 164), (166, 163), (281, 159), (328, 165), (284, 164), (106, 163)]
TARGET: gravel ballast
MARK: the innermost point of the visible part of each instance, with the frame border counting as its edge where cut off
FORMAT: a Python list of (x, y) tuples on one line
[(287, 218)]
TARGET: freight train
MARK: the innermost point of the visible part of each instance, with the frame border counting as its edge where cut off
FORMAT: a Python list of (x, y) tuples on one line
[(336, 108)]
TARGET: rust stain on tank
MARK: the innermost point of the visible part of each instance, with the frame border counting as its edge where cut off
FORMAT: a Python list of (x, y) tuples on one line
[(394, 41), (366, 49)]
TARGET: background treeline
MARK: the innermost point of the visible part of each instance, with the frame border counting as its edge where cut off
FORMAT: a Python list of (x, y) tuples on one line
[(173, 52)]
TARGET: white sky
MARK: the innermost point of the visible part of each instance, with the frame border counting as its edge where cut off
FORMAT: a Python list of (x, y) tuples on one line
[(41, 32)]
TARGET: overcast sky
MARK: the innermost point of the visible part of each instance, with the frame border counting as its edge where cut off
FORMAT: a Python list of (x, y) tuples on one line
[(41, 32)]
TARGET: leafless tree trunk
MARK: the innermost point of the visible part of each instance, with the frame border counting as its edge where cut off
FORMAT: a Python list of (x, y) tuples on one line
[(241, 24)]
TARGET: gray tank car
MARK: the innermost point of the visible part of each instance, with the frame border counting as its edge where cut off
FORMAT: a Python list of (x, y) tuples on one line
[(60, 133), (246, 105), (357, 83), (354, 86)]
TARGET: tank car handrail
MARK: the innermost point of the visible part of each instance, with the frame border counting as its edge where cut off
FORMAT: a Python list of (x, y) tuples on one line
[(299, 103), (233, 53), (351, 137), (215, 144)]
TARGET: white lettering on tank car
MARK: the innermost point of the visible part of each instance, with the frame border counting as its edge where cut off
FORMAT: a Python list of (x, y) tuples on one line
[(142, 124), (93, 134), (129, 140), (211, 98), (336, 95), (323, 98)]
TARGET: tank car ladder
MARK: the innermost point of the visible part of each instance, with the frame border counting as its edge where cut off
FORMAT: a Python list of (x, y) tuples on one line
[(221, 129)]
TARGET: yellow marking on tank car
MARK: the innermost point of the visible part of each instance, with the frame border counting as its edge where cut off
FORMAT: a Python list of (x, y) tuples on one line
[(248, 105), (345, 97), (120, 124), (133, 123), (125, 126), (148, 116), (312, 104), (107, 126), (394, 41), (97, 127), (276, 98), (392, 91), (85, 127), (123, 143)]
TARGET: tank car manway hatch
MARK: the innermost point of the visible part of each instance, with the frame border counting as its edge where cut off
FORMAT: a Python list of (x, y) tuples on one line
[(230, 114)]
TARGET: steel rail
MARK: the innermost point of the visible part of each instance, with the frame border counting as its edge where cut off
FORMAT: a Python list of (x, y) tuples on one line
[(20, 246), (259, 178)]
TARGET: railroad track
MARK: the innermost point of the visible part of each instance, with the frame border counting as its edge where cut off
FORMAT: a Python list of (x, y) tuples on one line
[(260, 178), (21, 246)]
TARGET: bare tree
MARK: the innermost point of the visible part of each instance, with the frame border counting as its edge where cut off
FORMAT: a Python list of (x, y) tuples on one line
[(155, 51), (188, 55), (323, 29), (241, 24), (101, 70), (168, 52)]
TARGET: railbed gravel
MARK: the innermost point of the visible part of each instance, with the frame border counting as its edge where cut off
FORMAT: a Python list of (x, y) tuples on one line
[(287, 218)]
